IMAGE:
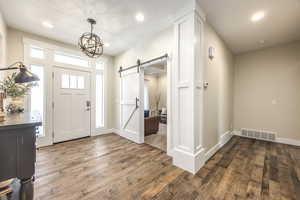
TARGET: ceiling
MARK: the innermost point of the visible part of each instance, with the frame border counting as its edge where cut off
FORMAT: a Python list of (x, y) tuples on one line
[(231, 19), (116, 22)]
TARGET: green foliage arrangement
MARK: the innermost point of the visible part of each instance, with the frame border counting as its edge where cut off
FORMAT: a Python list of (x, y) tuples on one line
[(12, 89)]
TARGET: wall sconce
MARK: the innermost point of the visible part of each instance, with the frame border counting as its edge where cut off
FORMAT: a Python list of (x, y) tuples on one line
[(211, 53)]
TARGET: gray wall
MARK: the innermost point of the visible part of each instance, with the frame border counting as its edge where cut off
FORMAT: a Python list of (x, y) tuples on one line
[(218, 97), (267, 90)]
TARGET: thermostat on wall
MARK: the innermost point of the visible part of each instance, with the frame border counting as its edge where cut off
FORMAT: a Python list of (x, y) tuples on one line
[(211, 53)]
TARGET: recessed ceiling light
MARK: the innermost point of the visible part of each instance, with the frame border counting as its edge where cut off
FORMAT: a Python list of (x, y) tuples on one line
[(106, 44), (47, 24), (257, 16), (139, 17)]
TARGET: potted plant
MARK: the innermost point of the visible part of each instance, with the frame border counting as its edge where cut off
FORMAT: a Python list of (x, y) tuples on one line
[(15, 93)]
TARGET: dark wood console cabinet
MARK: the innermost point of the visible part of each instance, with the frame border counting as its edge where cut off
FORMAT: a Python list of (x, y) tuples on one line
[(17, 147)]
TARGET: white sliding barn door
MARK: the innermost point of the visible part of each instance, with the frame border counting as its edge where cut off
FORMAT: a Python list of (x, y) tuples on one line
[(72, 111), (131, 112)]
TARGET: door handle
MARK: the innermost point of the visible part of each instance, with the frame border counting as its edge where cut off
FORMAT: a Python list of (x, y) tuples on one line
[(88, 105), (137, 102)]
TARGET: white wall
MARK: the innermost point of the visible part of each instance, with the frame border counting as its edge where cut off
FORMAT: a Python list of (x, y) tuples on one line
[(267, 90), (3, 43), (159, 45)]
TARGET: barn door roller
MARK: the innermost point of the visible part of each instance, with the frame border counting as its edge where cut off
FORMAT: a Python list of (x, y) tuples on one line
[(140, 64)]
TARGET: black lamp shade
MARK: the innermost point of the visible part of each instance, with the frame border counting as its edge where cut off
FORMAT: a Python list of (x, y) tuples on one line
[(25, 76)]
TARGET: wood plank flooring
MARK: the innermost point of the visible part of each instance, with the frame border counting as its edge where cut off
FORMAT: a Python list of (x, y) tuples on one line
[(158, 140), (111, 168)]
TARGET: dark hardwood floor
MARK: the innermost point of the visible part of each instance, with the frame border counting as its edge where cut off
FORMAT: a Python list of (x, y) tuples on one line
[(110, 167)]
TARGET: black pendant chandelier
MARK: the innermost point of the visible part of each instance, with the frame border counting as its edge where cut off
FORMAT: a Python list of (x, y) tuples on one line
[(90, 43)]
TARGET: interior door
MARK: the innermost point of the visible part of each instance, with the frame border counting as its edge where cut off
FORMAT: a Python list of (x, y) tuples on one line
[(72, 112), (131, 112)]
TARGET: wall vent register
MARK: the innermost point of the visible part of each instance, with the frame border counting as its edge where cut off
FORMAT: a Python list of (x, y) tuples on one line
[(258, 134)]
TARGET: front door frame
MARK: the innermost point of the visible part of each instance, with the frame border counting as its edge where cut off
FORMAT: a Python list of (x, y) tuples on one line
[(90, 95), (48, 62)]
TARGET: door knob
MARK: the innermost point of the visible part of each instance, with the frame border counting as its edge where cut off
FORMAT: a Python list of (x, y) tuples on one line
[(205, 85), (88, 105)]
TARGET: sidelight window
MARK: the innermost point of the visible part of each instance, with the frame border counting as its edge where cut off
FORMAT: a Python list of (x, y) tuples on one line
[(100, 67), (99, 101), (37, 95)]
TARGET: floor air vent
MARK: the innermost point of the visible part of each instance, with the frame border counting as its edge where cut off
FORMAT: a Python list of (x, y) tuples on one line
[(258, 134)]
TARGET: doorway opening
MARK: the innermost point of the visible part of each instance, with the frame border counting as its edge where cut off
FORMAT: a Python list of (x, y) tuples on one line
[(155, 105), (143, 113)]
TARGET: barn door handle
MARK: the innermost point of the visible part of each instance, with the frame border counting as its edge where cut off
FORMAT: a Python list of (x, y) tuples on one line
[(132, 113), (137, 102)]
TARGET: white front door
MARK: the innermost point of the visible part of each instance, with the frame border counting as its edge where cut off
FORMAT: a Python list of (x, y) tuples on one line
[(131, 112), (72, 112)]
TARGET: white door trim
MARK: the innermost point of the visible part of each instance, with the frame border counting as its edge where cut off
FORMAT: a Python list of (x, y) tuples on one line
[(49, 63), (55, 103), (168, 66)]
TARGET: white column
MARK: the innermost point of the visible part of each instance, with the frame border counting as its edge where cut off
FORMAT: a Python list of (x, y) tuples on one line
[(188, 91)]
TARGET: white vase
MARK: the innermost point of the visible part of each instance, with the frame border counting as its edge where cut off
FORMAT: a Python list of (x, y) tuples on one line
[(17, 101)]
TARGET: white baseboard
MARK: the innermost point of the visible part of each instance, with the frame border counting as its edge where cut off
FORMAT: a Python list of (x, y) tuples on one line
[(278, 140), (222, 141), (130, 136), (188, 161), (225, 138), (41, 144), (170, 152), (116, 131), (102, 132), (289, 141), (211, 152)]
